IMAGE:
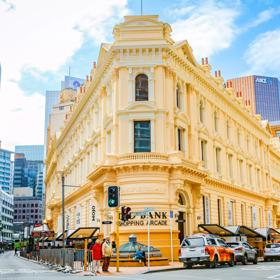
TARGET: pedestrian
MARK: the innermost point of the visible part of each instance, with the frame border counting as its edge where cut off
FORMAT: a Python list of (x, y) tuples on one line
[(140, 255), (96, 256), (15, 251), (106, 252)]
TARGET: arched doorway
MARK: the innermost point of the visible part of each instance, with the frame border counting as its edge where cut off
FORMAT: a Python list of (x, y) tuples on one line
[(181, 216)]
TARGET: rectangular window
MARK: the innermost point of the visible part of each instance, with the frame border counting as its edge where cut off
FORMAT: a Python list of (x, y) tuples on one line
[(250, 174), (109, 142), (258, 173), (220, 212), (242, 214), (254, 216), (218, 160), (142, 136), (230, 213), (230, 166), (206, 209), (180, 139), (240, 163), (203, 152)]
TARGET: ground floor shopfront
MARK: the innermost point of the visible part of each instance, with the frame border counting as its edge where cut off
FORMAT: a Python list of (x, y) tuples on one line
[(179, 197)]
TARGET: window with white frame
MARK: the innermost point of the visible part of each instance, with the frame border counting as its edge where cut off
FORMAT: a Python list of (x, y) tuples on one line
[(142, 136), (141, 88)]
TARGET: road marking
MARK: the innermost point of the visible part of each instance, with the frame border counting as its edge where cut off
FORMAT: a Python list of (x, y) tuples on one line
[(261, 267), (23, 270)]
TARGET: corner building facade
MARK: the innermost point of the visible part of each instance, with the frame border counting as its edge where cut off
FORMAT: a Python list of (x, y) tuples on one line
[(155, 122)]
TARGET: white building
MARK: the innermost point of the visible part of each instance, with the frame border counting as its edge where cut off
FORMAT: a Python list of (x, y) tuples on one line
[(6, 217)]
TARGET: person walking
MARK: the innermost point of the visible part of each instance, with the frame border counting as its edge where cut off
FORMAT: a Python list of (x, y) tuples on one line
[(96, 256), (106, 252)]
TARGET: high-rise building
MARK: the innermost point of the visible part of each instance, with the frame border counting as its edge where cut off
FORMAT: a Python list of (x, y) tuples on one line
[(5, 170), (52, 98), (261, 93), (28, 168), (6, 216)]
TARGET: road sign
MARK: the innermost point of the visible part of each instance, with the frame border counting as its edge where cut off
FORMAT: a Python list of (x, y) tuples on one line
[(107, 222)]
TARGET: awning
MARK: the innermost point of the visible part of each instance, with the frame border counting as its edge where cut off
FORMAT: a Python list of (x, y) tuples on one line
[(217, 229), (66, 235), (83, 233), (250, 232), (269, 233)]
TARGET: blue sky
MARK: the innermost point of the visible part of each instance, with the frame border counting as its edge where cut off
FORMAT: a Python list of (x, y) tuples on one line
[(239, 37)]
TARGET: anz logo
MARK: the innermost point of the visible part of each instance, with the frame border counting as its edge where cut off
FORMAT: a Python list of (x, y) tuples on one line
[(263, 80)]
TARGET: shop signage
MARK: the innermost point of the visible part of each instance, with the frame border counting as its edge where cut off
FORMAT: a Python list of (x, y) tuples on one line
[(157, 218)]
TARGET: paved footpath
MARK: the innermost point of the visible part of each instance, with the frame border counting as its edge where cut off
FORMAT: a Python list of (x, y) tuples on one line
[(12, 267)]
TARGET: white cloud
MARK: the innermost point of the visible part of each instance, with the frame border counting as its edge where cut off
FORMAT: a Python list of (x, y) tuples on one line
[(41, 36), (263, 54), (262, 17), (209, 29)]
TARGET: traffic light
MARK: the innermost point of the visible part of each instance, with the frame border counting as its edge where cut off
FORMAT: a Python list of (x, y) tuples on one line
[(113, 196), (125, 213)]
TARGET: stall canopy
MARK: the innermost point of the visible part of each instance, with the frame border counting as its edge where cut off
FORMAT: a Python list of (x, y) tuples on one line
[(83, 233), (66, 235), (250, 233), (217, 229), (269, 233), (42, 231)]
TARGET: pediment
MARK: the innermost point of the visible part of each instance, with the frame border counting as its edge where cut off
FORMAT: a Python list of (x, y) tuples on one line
[(141, 106), (184, 48)]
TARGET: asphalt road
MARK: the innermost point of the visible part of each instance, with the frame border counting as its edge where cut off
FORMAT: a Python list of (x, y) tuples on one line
[(12, 267)]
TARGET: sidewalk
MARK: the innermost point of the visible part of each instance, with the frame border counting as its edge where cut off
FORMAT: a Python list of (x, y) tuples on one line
[(139, 270)]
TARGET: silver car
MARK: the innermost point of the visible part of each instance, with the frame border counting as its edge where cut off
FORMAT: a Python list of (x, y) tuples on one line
[(271, 252), (244, 253)]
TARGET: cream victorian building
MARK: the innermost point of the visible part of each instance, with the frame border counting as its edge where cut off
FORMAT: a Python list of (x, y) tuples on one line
[(155, 122)]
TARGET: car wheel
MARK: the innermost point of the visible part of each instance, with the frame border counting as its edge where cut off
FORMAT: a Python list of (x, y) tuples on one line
[(255, 261), (245, 260), (187, 265), (231, 262), (214, 263)]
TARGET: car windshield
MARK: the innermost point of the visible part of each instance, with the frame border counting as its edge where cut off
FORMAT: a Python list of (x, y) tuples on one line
[(193, 242), (233, 244), (275, 245)]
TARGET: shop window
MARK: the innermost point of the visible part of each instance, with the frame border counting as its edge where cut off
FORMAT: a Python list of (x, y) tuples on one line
[(142, 136), (141, 88)]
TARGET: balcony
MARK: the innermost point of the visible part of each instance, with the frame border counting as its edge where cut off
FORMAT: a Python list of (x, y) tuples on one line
[(143, 158)]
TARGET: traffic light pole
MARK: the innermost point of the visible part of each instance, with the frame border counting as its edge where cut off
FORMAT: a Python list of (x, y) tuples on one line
[(117, 239)]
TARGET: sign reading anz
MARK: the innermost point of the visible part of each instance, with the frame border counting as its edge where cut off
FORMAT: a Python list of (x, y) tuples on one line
[(263, 80)]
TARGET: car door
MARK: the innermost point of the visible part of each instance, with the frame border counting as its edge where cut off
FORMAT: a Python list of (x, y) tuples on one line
[(222, 249), (249, 251)]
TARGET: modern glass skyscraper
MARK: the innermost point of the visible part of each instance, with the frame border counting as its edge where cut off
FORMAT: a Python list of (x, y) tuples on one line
[(28, 168), (5, 170), (262, 93)]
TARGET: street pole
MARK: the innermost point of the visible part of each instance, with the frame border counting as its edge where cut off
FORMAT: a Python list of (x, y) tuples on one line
[(63, 218), (149, 241), (117, 239)]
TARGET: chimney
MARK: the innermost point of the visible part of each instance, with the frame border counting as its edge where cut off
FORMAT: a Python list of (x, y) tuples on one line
[(202, 60), (206, 60), (87, 78), (216, 74), (219, 73), (94, 64)]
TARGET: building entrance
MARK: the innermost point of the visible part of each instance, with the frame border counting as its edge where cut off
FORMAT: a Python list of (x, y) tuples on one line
[(181, 225)]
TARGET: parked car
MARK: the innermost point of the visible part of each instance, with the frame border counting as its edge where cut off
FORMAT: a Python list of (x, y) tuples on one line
[(271, 252), (207, 250), (243, 252)]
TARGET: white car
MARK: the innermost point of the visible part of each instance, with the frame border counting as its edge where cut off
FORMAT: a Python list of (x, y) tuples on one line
[(271, 252)]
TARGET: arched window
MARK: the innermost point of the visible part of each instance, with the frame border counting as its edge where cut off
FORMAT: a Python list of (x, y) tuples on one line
[(141, 88), (181, 200)]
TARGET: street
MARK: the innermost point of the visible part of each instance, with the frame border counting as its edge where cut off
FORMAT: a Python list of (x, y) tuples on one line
[(12, 267)]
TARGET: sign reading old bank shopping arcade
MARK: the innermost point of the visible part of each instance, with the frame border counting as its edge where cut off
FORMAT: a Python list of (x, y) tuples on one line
[(156, 218)]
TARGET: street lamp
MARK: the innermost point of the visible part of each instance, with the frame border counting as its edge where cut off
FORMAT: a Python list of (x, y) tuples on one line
[(63, 211)]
